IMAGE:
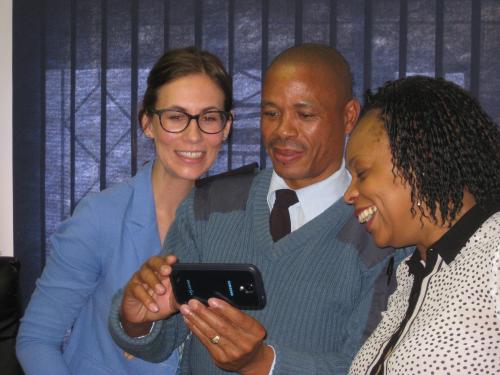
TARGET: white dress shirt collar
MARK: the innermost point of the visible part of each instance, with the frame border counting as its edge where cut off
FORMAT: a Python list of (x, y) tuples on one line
[(313, 199)]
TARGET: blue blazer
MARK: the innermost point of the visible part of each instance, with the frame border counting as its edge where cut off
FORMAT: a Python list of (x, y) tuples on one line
[(95, 252)]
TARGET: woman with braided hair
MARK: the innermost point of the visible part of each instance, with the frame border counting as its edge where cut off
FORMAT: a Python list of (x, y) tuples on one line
[(425, 167)]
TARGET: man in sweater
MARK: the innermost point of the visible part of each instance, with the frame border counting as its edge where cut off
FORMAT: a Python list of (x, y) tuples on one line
[(325, 282)]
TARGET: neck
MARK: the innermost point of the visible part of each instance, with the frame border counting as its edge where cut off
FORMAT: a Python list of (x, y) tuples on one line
[(168, 191), (432, 231)]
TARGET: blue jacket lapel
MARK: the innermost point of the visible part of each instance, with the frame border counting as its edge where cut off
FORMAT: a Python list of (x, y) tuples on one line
[(141, 221)]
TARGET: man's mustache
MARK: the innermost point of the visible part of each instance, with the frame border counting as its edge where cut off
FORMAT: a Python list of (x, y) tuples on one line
[(286, 143)]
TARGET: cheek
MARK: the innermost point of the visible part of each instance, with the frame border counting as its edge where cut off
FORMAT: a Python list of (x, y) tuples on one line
[(213, 143), (325, 134), (265, 131), (336, 137), (398, 209), (166, 139)]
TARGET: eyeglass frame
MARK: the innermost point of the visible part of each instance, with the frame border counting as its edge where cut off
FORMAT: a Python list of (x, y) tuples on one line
[(190, 117)]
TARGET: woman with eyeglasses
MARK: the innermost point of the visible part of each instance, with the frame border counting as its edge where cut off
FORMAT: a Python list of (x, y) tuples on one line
[(186, 112)]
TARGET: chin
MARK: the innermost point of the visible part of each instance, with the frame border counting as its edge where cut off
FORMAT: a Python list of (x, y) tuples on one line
[(191, 174), (288, 171), (385, 242), (380, 242)]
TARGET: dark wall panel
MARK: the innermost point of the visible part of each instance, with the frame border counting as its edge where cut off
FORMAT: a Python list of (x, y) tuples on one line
[(80, 68)]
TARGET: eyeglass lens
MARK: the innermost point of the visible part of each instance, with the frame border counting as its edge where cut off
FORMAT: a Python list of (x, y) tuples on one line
[(209, 122)]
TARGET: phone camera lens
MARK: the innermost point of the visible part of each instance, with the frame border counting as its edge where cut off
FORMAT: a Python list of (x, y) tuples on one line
[(247, 289)]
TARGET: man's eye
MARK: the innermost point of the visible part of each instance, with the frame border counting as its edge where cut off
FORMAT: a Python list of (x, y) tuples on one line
[(306, 115), (270, 114)]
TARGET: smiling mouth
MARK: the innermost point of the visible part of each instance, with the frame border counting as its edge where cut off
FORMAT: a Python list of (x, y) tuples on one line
[(286, 156), (190, 154), (365, 215)]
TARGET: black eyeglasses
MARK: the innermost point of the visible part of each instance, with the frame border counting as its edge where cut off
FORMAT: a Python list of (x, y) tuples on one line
[(209, 122)]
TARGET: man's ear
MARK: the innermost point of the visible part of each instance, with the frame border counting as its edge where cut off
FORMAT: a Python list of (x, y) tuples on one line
[(351, 115)]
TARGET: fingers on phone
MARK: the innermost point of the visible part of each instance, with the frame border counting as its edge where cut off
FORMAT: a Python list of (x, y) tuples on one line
[(146, 295), (159, 265), (205, 336), (237, 318), (149, 275), (170, 259), (162, 264), (206, 324)]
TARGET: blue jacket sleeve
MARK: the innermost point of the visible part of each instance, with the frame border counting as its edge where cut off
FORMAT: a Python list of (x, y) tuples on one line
[(69, 278)]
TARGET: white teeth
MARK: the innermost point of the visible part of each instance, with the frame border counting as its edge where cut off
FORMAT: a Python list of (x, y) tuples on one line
[(190, 154), (366, 214)]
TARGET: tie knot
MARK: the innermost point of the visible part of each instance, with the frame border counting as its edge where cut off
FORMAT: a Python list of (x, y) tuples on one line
[(285, 198)]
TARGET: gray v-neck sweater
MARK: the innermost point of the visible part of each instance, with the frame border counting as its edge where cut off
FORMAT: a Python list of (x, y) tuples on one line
[(325, 283)]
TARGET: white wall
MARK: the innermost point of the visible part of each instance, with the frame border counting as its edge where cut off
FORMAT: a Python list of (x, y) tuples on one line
[(6, 199)]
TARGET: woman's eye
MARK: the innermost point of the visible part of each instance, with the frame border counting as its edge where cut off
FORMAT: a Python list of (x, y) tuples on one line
[(208, 118), (175, 117)]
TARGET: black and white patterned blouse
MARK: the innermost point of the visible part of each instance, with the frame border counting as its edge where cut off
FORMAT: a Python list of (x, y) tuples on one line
[(444, 317)]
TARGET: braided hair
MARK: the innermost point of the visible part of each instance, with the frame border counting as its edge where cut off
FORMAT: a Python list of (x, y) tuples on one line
[(442, 142)]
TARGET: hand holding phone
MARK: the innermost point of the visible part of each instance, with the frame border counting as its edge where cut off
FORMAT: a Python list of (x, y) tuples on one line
[(148, 296), (239, 284)]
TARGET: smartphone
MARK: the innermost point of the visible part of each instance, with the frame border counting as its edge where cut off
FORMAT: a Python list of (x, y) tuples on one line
[(239, 284)]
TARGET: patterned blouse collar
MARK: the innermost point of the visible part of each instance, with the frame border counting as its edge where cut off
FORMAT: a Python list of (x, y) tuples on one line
[(450, 244)]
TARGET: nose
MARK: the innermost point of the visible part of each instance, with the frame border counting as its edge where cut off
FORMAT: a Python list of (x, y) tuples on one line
[(351, 193), (193, 132), (286, 127)]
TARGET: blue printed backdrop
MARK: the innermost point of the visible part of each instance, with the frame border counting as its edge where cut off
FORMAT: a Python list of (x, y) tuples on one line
[(89, 61)]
